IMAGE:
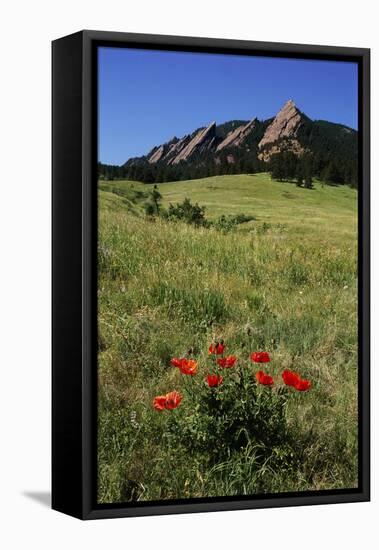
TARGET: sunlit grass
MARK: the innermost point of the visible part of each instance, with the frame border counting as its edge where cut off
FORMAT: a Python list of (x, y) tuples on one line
[(285, 282)]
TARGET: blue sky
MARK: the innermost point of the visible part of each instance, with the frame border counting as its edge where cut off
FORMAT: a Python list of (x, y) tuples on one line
[(147, 97)]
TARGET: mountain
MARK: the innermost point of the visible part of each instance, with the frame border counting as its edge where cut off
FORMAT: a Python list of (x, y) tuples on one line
[(196, 146), (283, 132), (239, 146), (237, 137)]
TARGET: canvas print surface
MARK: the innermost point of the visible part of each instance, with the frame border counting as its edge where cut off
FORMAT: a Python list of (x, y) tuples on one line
[(227, 275)]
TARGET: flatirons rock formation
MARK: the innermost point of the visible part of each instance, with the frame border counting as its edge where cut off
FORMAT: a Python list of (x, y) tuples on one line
[(202, 141), (236, 137), (243, 142), (285, 125), (157, 155), (183, 149), (282, 132), (175, 147)]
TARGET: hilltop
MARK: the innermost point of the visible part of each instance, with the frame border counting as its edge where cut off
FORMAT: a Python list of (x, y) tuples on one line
[(269, 201)]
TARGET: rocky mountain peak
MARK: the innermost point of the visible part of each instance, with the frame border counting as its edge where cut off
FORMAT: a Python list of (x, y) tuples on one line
[(156, 154), (202, 140), (290, 104), (236, 137), (247, 143), (285, 124)]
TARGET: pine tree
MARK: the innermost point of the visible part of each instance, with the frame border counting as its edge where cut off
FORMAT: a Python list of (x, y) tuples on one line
[(156, 198), (299, 174), (277, 167), (308, 168)]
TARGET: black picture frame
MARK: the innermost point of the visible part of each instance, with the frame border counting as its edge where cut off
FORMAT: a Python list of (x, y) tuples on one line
[(74, 323)]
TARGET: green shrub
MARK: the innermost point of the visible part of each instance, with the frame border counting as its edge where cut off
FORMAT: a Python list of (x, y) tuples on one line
[(230, 417), (187, 212), (229, 223), (215, 422), (150, 209)]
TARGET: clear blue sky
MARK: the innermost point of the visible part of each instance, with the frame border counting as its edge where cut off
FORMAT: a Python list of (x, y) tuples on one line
[(147, 97)]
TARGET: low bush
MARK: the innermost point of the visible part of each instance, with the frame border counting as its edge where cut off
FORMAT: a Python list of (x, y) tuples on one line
[(226, 406), (187, 212), (229, 223)]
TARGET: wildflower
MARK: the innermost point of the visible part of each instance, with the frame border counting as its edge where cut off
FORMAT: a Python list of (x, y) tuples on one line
[(260, 357), (290, 378), (173, 400), (214, 380), (169, 401), (186, 366), (264, 379), (227, 362), (302, 385), (217, 348), (176, 362), (159, 402), (133, 419)]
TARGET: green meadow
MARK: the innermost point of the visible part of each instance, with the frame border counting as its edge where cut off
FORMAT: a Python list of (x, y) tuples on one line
[(284, 282)]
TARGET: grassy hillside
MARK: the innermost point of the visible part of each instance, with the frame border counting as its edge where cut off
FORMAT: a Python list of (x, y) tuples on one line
[(306, 212), (284, 283)]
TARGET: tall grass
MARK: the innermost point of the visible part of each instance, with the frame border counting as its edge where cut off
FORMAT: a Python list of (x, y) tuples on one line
[(166, 289)]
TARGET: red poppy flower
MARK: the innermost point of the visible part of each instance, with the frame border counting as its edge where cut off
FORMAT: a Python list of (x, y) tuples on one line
[(176, 362), (260, 357), (290, 378), (217, 348), (188, 366), (214, 380), (302, 385), (173, 400), (264, 379), (159, 402), (227, 362)]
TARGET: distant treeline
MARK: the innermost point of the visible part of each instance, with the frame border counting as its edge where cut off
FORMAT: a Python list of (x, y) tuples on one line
[(284, 166), (287, 166), (161, 172)]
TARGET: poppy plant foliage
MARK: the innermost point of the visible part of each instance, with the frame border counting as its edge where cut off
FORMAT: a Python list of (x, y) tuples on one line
[(226, 403)]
